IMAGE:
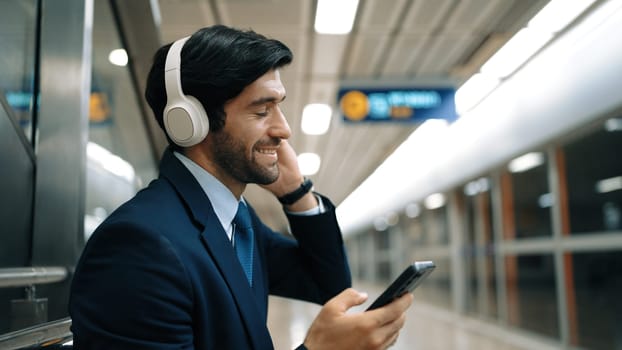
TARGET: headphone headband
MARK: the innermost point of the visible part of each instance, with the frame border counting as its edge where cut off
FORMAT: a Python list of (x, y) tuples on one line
[(172, 69), (184, 118)]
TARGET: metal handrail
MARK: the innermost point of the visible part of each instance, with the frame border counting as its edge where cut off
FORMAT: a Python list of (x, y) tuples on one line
[(55, 332), (28, 276)]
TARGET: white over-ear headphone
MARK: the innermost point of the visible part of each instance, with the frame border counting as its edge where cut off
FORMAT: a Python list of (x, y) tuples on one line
[(185, 119)]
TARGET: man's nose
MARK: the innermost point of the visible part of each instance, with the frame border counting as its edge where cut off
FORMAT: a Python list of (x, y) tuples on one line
[(280, 127)]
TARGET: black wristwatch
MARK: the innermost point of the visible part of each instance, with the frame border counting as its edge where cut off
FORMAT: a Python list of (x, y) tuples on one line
[(294, 196)]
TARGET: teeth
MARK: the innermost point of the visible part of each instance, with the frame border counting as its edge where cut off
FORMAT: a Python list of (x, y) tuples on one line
[(266, 151)]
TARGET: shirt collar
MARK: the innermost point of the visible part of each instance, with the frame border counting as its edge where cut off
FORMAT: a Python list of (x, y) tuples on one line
[(223, 201)]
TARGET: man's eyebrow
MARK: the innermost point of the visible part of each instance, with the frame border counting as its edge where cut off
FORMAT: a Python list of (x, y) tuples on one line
[(262, 100)]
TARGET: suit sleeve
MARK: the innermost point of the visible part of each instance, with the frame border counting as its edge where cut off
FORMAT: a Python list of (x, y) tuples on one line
[(153, 313), (314, 266)]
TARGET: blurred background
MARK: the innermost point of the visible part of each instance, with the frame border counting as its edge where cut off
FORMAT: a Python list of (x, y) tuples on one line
[(480, 134)]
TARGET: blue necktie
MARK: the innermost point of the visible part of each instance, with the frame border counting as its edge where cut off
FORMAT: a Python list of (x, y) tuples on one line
[(243, 240)]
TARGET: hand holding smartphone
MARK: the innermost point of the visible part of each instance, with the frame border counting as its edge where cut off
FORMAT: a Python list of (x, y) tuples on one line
[(407, 281)]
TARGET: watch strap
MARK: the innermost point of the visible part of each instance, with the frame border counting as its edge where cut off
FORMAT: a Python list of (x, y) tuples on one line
[(298, 193)]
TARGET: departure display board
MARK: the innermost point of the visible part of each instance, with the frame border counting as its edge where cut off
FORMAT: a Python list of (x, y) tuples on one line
[(397, 105)]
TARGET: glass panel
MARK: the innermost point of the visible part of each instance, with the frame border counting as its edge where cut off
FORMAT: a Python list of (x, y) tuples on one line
[(425, 228), (382, 240), (436, 226), (532, 298), (436, 289), (469, 252), (598, 285), (353, 254), (361, 246), (487, 265), (414, 230), (481, 289), (384, 271), (369, 256), (532, 199), (382, 252), (17, 62), (594, 177), (119, 157)]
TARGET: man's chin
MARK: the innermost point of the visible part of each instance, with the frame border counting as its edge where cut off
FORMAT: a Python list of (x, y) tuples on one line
[(267, 178)]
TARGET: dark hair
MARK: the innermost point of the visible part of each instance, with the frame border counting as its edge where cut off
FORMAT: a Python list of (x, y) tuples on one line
[(217, 63)]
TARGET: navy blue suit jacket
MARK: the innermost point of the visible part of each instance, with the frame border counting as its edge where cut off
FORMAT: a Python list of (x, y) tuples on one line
[(160, 272)]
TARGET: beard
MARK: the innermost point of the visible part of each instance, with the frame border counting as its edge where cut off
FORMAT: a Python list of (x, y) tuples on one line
[(231, 156)]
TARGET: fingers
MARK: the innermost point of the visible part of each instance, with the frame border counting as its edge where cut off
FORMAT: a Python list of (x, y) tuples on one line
[(392, 341), (403, 302), (288, 161), (392, 311), (290, 176), (376, 329), (346, 299), (390, 320), (391, 331)]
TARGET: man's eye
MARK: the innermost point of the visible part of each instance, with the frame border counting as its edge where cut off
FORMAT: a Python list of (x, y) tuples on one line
[(264, 112)]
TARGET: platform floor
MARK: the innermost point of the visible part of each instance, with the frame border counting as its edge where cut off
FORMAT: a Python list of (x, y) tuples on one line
[(427, 327)]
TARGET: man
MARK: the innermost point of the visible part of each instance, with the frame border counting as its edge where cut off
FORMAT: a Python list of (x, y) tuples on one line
[(186, 263)]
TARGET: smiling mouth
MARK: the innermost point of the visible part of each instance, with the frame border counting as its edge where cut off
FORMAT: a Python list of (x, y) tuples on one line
[(268, 154), (266, 151)]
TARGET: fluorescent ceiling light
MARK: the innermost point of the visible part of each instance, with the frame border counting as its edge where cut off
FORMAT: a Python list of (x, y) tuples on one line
[(316, 118), (309, 163), (557, 14), (335, 16), (434, 201), (118, 57), (473, 91), (515, 52), (526, 162), (609, 185)]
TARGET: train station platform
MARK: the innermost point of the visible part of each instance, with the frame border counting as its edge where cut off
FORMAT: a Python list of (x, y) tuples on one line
[(428, 327)]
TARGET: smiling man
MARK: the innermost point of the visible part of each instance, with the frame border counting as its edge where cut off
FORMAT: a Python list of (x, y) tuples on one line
[(186, 263)]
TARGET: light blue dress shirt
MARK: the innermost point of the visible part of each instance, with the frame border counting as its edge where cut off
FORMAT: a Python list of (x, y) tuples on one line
[(223, 201)]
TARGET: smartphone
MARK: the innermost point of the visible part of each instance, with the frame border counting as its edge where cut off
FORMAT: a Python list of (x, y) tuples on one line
[(407, 281)]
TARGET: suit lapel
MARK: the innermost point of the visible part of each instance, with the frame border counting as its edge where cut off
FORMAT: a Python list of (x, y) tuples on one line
[(219, 248), (259, 288)]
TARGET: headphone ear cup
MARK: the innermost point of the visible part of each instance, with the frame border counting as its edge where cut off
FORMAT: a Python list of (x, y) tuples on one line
[(185, 121)]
